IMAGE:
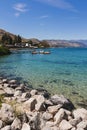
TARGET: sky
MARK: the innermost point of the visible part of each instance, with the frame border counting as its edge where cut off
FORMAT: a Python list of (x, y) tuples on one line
[(45, 19)]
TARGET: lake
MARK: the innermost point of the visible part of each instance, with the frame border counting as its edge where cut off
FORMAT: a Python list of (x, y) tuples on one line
[(64, 71)]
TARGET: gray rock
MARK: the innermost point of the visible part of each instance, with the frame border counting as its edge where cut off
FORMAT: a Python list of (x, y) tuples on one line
[(40, 106), (80, 113), (30, 104), (82, 125), (5, 80), (1, 86), (48, 103), (26, 127), (54, 109), (6, 85), (46, 128), (16, 125), (17, 93), (65, 125), (73, 128), (13, 86), (55, 128), (8, 127), (26, 95), (47, 116), (56, 99), (79, 129), (59, 116), (74, 122), (12, 81), (9, 91), (33, 92), (34, 120), (2, 92), (1, 124), (7, 113)]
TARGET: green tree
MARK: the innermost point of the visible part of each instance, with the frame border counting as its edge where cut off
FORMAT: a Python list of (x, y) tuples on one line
[(30, 42), (19, 39), (6, 39)]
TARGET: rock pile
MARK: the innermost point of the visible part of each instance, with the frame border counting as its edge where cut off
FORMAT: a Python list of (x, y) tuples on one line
[(25, 109)]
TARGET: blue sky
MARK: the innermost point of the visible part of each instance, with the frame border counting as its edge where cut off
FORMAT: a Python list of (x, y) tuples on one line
[(45, 19)]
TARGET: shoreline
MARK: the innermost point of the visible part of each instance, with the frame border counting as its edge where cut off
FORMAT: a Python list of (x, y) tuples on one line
[(23, 108)]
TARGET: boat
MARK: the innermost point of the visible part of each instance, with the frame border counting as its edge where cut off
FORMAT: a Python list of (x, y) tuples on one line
[(46, 52), (34, 52), (41, 52)]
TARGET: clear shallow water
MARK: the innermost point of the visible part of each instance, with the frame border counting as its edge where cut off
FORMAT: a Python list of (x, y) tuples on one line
[(63, 71)]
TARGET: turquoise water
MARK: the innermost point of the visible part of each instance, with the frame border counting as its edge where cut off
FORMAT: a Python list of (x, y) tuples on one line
[(63, 71)]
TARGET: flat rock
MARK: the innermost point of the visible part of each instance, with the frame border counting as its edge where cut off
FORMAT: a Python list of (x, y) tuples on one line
[(8, 127), (26, 127), (16, 125), (54, 109), (82, 124), (47, 116), (12, 81), (65, 125), (80, 113)]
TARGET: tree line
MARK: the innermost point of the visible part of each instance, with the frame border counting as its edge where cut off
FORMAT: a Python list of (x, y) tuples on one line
[(7, 39)]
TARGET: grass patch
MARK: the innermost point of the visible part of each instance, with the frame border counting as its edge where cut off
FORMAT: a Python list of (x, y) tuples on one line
[(1, 100)]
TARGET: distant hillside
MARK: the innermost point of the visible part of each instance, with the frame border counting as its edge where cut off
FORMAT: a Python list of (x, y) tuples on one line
[(64, 43), (83, 41), (51, 43)]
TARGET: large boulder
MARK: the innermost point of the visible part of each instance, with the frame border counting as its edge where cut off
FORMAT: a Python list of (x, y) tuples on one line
[(66, 103), (59, 116), (30, 104), (82, 125), (7, 113), (80, 113), (40, 106)]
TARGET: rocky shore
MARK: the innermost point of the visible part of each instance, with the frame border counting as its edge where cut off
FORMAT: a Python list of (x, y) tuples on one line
[(22, 108)]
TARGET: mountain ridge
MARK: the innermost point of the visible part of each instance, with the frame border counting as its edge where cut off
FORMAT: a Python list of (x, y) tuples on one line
[(51, 43)]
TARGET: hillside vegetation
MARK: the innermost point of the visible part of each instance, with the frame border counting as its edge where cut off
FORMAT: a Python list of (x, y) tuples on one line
[(4, 51)]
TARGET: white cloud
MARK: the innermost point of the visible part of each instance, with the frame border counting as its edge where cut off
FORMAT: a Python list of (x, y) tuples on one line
[(44, 16), (20, 7), (17, 14), (63, 4)]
